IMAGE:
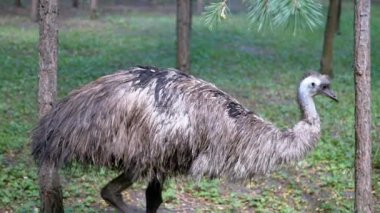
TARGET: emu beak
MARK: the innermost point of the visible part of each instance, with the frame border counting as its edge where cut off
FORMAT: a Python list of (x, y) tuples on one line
[(331, 94)]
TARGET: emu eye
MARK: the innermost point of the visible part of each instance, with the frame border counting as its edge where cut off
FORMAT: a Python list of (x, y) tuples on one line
[(312, 84)]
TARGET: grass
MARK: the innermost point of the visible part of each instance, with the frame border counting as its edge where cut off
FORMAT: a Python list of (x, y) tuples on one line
[(260, 69)]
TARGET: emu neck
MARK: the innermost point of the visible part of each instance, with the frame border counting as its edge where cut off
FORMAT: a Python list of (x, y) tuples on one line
[(306, 102)]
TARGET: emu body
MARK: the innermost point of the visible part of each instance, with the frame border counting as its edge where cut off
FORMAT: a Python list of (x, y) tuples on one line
[(152, 123)]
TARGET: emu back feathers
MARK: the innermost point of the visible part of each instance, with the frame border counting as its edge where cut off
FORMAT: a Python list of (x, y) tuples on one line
[(151, 121)]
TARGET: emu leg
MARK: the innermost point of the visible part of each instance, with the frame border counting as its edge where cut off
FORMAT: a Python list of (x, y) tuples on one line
[(153, 195), (112, 191)]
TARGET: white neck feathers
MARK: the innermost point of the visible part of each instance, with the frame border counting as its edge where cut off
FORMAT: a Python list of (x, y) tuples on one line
[(305, 99)]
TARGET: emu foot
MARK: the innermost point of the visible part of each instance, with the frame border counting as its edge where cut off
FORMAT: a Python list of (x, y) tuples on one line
[(115, 200), (111, 193)]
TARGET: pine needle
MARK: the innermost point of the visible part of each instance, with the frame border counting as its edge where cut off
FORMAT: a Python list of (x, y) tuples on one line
[(294, 14), (215, 13)]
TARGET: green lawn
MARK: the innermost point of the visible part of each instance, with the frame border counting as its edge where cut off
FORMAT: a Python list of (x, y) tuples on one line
[(261, 69)]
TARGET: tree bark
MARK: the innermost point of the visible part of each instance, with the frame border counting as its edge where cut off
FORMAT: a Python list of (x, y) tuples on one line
[(48, 50), (362, 73), (34, 15), (94, 9), (50, 189), (200, 6), (18, 3), (183, 34), (337, 31), (328, 43), (75, 3)]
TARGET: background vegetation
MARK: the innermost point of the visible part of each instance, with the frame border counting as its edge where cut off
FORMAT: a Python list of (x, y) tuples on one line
[(260, 69)]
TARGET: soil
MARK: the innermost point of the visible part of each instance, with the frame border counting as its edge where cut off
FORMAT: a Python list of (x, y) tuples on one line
[(312, 192)]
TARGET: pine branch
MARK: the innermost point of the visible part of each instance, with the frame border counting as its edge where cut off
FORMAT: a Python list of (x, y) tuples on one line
[(215, 13), (261, 12), (296, 14)]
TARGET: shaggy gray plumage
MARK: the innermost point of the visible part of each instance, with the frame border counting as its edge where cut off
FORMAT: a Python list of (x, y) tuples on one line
[(153, 122)]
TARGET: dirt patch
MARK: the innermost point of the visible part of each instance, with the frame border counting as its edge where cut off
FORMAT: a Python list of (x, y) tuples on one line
[(280, 186)]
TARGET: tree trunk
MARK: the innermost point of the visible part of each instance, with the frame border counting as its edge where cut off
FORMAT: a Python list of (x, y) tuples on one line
[(200, 6), (75, 3), (18, 3), (362, 73), (34, 15), (183, 34), (328, 43), (50, 189), (48, 49), (337, 31), (94, 9)]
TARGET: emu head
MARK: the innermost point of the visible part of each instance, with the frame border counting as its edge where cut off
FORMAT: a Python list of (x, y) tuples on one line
[(317, 84)]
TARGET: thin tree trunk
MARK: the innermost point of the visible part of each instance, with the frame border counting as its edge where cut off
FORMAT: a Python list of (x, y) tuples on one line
[(119, 2), (328, 43), (75, 3), (183, 34), (362, 73), (337, 30), (50, 189), (48, 49), (18, 3), (200, 6), (34, 15), (94, 9)]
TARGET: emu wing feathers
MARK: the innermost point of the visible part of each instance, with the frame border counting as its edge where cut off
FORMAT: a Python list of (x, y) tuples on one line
[(153, 121)]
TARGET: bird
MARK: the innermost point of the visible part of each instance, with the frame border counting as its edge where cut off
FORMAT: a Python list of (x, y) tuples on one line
[(154, 123)]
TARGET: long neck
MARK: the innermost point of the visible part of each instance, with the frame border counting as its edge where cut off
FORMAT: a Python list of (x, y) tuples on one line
[(261, 146), (255, 146), (307, 106)]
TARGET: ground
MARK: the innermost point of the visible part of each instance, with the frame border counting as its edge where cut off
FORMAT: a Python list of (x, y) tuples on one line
[(260, 69)]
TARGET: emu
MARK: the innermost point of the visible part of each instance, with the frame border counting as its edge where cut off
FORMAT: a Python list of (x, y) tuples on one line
[(153, 123)]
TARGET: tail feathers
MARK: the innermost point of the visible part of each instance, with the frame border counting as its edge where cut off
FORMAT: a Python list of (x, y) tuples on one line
[(39, 150), (50, 188), (42, 140), (48, 176)]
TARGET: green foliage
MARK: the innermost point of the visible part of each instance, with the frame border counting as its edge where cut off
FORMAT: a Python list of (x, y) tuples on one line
[(296, 15), (260, 69), (170, 193), (208, 190), (261, 12), (16, 182), (215, 12)]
